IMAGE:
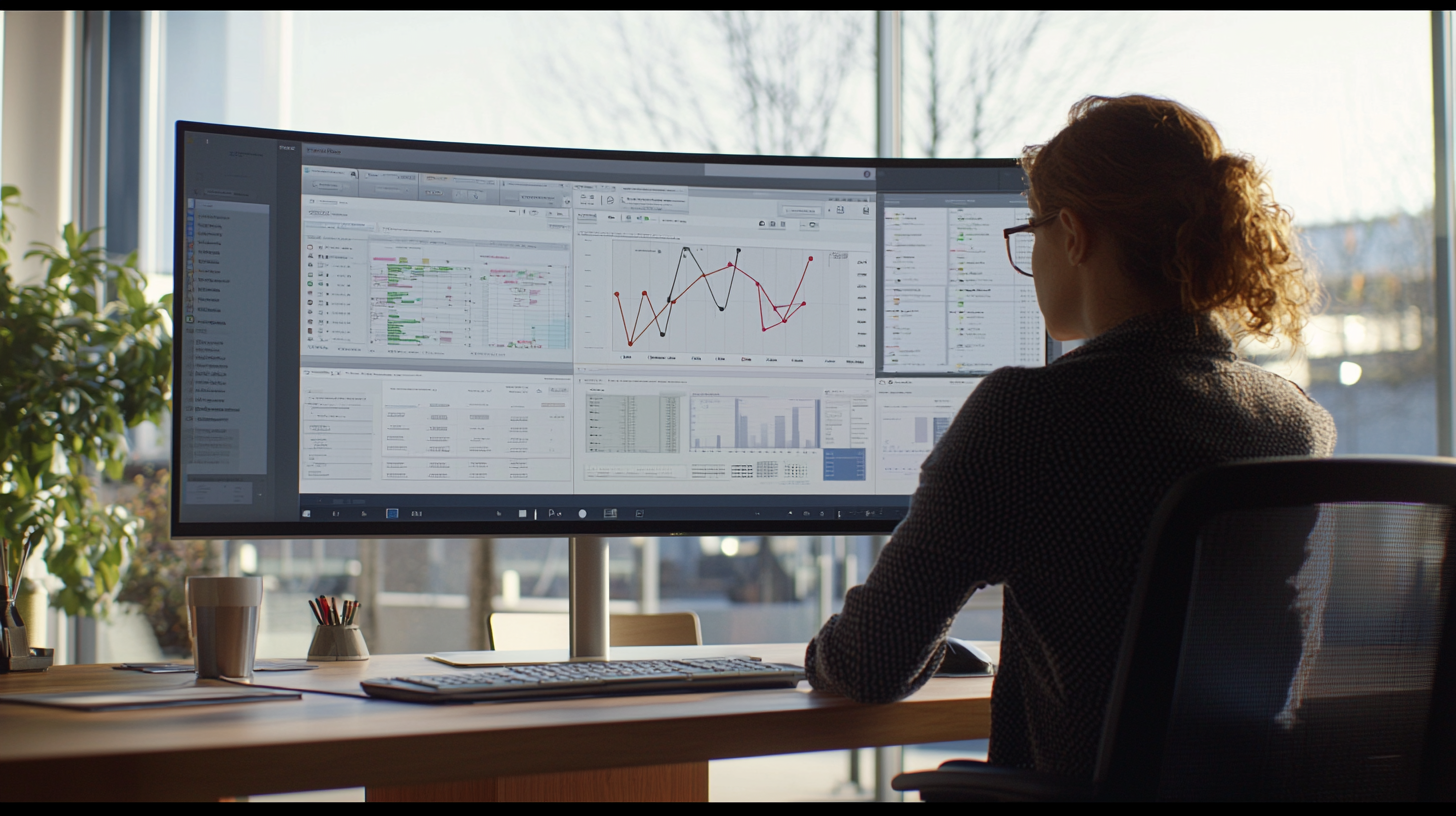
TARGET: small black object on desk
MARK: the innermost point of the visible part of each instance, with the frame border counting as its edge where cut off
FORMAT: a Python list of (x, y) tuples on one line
[(963, 659)]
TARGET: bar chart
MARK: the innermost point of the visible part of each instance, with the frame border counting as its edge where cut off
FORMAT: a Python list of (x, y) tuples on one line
[(754, 423)]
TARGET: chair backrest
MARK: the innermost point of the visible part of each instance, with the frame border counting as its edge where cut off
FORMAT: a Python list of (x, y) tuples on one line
[(551, 630), (1291, 637)]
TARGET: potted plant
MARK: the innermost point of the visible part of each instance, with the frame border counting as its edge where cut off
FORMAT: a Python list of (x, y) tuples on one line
[(83, 356)]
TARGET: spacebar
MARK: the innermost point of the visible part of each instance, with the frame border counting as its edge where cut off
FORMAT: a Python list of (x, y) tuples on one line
[(645, 678)]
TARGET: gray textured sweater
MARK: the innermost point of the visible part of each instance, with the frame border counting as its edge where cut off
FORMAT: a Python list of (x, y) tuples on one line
[(1047, 482)]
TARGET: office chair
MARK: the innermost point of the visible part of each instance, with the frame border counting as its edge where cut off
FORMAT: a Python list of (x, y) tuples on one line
[(551, 630), (1290, 638)]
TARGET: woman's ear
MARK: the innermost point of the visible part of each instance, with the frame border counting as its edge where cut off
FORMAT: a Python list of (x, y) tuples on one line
[(1078, 240)]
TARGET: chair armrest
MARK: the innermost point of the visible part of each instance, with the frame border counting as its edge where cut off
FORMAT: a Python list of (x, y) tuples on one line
[(966, 780)]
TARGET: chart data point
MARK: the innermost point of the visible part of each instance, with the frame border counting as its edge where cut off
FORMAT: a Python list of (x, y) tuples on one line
[(616, 294), (720, 308), (644, 291), (811, 257), (662, 334)]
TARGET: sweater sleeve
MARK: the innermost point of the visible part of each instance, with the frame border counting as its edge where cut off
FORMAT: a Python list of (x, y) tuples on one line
[(889, 638)]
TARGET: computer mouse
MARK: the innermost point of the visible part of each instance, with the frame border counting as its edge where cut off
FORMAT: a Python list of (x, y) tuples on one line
[(964, 660)]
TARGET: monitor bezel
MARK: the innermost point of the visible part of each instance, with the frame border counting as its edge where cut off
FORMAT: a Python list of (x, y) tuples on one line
[(403, 528)]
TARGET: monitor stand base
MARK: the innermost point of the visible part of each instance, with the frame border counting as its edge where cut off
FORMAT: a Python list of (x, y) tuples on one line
[(590, 593)]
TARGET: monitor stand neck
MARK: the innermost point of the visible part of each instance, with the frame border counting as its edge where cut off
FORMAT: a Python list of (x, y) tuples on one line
[(590, 592)]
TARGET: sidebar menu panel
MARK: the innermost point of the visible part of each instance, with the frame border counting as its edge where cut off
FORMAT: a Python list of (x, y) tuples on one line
[(953, 304), (224, 390)]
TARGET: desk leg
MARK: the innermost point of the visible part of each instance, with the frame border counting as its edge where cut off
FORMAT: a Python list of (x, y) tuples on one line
[(686, 782)]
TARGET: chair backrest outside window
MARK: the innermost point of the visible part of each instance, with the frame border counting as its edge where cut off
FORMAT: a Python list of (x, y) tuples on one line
[(512, 631)]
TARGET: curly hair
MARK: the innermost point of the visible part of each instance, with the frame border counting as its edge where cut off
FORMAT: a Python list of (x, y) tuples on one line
[(1186, 216)]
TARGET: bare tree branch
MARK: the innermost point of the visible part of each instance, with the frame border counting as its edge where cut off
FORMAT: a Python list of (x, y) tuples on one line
[(731, 81), (980, 77), (933, 54)]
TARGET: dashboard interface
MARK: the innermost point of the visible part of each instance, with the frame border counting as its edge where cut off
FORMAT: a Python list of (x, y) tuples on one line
[(377, 332)]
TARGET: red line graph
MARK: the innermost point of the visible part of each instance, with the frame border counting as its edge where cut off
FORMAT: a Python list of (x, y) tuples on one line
[(777, 314)]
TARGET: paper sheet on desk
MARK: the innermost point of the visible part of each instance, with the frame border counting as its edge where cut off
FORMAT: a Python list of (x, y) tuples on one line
[(154, 698), (179, 668)]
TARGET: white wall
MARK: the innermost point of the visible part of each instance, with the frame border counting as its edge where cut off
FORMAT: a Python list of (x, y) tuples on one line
[(35, 143)]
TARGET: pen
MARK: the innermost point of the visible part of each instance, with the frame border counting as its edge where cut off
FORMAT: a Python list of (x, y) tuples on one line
[(24, 559)]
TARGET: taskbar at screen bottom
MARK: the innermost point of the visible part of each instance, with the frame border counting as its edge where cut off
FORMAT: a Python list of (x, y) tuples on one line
[(599, 509)]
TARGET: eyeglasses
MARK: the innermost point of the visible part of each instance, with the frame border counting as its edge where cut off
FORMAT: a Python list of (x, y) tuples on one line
[(1020, 241)]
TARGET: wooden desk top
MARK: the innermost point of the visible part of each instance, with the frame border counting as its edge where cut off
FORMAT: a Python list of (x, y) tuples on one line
[(326, 741)]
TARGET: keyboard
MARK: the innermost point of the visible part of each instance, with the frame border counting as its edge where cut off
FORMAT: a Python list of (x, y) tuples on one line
[(587, 679)]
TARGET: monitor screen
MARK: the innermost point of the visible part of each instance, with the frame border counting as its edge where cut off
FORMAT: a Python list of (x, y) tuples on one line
[(381, 337)]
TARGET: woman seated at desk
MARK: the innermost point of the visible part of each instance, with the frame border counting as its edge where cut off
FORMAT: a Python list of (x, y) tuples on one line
[(1157, 247)]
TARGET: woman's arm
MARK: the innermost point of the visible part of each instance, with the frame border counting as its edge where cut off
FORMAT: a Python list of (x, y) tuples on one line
[(889, 638)]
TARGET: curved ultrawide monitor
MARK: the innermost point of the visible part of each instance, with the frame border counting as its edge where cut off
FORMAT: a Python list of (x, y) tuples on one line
[(378, 337)]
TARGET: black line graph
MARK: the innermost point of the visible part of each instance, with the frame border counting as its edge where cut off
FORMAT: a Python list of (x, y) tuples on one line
[(734, 299)]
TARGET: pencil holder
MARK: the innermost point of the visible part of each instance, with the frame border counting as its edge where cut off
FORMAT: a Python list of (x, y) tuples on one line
[(16, 653), (338, 643)]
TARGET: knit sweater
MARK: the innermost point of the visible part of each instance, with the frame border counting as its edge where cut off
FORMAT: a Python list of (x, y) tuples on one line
[(1047, 482)]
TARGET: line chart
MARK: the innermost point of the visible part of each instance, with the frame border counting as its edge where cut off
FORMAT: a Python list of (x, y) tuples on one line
[(777, 315), (736, 299)]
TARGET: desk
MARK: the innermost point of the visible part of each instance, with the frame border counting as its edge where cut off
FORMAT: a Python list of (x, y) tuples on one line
[(642, 748)]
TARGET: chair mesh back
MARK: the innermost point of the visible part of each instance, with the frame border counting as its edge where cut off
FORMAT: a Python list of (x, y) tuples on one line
[(1309, 653)]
